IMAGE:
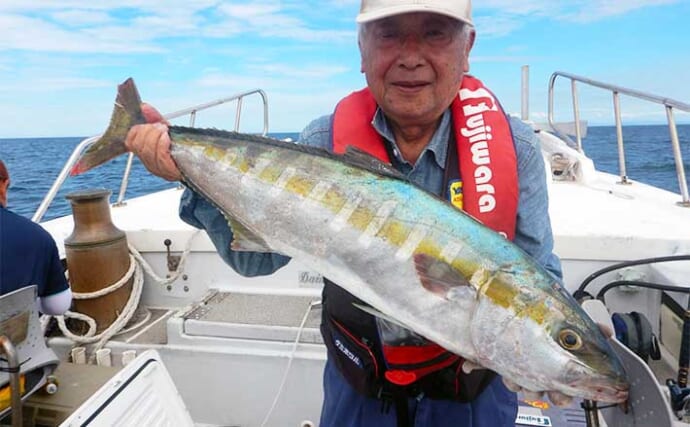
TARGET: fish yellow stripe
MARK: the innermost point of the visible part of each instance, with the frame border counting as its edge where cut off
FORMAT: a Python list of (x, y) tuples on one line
[(318, 193), (375, 225), (340, 219), (419, 231), (282, 181), (450, 252)]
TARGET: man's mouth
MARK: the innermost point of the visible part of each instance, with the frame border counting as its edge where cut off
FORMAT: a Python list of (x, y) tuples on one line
[(410, 85)]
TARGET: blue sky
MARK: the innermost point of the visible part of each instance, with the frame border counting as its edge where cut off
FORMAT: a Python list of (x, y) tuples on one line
[(60, 60)]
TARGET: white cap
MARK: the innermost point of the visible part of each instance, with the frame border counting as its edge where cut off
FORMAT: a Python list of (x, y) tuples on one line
[(371, 10)]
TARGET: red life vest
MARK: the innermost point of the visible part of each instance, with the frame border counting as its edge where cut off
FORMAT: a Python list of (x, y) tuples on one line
[(486, 188)]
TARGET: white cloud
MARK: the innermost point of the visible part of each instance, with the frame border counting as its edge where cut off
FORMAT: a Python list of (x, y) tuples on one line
[(81, 17), (55, 45), (504, 58), (55, 84), (273, 77), (511, 7), (319, 72), (149, 5), (109, 27), (249, 11), (269, 20), (601, 9), (31, 34), (497, 25), (497, 18)]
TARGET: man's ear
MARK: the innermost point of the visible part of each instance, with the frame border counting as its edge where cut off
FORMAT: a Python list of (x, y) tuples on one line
[(468, 48), (361, 56)]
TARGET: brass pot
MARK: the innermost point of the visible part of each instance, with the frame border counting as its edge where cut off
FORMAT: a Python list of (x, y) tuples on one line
[(97, 256)]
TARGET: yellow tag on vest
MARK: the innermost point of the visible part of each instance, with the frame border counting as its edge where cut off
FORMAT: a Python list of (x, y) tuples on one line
[(455, 192)]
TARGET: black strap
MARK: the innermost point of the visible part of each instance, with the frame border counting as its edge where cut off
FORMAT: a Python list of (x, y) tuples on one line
[(402, 413), (452, 170), (9, 370)]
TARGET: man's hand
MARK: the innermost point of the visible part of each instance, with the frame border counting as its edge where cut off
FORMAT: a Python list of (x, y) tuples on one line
[(151, 143)]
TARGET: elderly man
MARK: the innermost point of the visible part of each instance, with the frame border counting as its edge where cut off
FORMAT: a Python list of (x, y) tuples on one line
[(446, 132), (28, 256)]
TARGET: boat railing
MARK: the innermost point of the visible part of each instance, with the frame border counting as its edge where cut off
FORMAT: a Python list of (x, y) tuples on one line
[(668, 104), (191, 112)]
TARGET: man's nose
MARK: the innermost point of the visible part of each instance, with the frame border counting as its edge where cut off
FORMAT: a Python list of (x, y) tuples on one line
[(411, 49)]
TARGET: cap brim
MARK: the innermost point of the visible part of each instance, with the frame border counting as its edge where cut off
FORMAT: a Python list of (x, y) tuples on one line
[(408, 8)]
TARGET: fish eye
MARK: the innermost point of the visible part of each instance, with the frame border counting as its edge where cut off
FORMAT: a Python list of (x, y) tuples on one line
[(569, 339)]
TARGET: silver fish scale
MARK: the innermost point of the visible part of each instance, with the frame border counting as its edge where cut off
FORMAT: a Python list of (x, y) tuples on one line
[(366, 243)]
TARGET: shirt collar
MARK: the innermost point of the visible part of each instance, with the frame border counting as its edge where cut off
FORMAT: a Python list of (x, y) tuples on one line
[(438, 144)]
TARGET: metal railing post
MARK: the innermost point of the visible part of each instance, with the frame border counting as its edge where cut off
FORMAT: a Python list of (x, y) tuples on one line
[(678, 156), (525, 93), (668, 103), (238, 111), (622, 171), (62, 176), (125, 181), (576, 110)]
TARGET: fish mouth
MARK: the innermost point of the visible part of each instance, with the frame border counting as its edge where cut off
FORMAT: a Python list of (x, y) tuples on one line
[(609, 395), (603, 389), (601, 385)]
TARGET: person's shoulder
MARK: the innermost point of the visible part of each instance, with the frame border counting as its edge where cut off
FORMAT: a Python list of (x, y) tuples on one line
[(16, 219), (317, 132), (525, 141), (22, 225), (523, 133)]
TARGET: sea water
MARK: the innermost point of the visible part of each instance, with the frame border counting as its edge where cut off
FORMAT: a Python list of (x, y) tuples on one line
[(34, 164)]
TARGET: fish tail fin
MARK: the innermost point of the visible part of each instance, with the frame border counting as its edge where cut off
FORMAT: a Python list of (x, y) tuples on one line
[(126, 113)]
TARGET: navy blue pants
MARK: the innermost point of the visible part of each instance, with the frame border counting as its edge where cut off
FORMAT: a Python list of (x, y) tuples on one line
[(344, 407)]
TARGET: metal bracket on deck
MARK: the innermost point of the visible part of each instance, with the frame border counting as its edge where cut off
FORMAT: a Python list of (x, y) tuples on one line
[(173, 260)]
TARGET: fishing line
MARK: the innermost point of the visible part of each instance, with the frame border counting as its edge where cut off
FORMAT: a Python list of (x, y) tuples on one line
[(290, 359)]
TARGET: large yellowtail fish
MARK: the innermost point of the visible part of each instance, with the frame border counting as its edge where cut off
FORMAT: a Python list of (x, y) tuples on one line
[(410, 255)]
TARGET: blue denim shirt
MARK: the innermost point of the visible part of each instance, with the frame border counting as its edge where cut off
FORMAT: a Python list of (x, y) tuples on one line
[(533, 228)]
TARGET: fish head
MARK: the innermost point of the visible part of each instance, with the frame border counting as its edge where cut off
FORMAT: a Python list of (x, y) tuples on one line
[(592, 369), (540, 338)]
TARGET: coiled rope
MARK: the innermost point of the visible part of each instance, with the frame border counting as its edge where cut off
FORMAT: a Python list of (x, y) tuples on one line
[(137, 265)]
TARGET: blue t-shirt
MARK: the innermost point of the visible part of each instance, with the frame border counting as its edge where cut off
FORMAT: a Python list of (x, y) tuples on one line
[(28, 256)]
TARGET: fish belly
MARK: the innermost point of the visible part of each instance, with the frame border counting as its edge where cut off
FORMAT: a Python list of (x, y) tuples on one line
[(352, 226)]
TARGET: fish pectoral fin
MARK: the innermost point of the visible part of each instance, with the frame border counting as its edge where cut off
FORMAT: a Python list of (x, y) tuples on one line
[(374, 312), (441, 279), (246, 241)]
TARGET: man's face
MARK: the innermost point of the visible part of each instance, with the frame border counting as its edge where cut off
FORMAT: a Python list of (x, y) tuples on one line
[(413, 64)]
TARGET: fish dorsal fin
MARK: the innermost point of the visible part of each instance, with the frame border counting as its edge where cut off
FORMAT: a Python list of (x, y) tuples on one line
[(374, 312), (441, 279), (244, 240), (364, 160)]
